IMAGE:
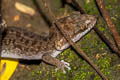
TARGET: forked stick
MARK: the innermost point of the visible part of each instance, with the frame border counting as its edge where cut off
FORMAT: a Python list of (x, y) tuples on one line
[(83, 54), (100, 34), (109, 22)]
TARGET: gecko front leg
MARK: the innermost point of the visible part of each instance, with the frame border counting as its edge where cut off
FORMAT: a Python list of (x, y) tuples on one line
[(53, 61)]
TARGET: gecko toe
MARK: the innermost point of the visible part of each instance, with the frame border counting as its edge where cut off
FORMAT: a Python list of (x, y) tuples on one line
[(63, 66), (67, 65)]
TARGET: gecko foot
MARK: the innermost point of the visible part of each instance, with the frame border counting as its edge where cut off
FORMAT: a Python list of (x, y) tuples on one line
[(63, 66)]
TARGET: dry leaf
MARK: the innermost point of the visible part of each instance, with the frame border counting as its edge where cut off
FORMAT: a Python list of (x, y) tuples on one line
[(25, 9)]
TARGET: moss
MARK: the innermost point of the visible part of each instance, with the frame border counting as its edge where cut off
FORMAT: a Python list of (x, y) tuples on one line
[(97, 78), (109, 7), (90, 7), (100, 27), (91, 44), (104, 62)]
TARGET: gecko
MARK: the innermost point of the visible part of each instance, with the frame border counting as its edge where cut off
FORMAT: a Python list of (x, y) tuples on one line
[(18, 43)]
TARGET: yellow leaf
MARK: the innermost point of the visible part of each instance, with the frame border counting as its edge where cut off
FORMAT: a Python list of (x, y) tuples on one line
[(9, 67)]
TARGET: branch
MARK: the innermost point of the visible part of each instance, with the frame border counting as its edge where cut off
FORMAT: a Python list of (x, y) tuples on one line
[(83, 54), (109, 22), (100, 34)]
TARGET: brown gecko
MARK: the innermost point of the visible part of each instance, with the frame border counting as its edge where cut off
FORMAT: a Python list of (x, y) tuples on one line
[(20, 44)]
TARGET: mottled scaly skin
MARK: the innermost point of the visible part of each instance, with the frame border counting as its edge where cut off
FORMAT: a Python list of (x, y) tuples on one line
[(21, 44), (18, 43)]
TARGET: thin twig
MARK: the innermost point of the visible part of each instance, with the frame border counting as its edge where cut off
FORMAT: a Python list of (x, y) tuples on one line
[(83, 54), (107, 42), (109, 22), (100, 34), (76, 5)]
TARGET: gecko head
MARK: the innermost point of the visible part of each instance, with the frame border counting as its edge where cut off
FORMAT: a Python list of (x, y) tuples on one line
[(75, 26), (77, 23)]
